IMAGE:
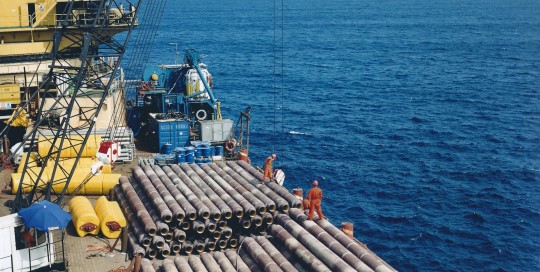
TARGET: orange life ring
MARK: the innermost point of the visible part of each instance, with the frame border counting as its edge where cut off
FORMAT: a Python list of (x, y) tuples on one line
[(230, 145)]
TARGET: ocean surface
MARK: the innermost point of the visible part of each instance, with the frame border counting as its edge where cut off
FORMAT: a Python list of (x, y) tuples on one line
[(420, 119)]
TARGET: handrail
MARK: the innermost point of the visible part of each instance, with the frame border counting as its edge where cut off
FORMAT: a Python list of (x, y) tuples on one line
[(49, 5)]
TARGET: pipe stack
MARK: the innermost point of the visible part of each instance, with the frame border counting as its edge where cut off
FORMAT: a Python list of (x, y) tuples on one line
[(192, 210)]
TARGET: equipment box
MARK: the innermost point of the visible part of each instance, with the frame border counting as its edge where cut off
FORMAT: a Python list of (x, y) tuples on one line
[(215, 130), (172, 131)]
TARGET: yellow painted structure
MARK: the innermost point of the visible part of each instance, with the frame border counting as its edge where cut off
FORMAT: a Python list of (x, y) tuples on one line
[(90, 150), (110, 217), (96, 185), (85, 218), (9, 93)]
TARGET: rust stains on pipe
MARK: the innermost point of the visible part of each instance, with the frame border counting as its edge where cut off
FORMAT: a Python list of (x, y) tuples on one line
[(250, 262), (134, 201), (329, 241), (237, 196), (270, 204), (134, 225), (364, 254), (189, 210), (177, 211), (236, 261), (225, 210), (224, 263), (202, 210), (294, 246), (215, 212), (260, 255), (162, 227), (182, 264), (280, 190), (136, 250), (196, 264), (150, 190), (253, 200), (209, 262), (272, 251), (281, 202), (222, 196), (319, 249)]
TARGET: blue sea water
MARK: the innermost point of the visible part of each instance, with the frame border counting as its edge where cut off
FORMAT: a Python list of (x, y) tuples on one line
[(420, 119)]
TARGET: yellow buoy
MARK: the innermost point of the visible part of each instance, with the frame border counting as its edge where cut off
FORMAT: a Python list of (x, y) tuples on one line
[(154, 77), (111, 217), (85, 218)]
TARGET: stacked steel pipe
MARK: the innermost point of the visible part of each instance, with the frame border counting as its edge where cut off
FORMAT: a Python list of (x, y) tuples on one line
[(188, 209), (185, 208)]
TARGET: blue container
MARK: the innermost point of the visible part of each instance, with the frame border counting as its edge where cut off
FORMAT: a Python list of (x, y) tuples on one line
[(190, 154), (205, 151), (174, 132), (180, 155), (212, 151), (198, 151), (166, 149), (218, 150), (199, 161)]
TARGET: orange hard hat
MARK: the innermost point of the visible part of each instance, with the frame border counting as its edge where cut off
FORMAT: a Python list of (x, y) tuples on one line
[(315, 183), (274, 156)]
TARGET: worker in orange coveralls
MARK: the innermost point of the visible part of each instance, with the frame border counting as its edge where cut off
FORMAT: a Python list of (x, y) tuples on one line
[(315, 196), (268, 167)]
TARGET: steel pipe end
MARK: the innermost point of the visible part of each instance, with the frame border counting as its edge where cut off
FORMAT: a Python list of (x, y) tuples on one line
[(211, 246), (222, 224), (181, 238), (269, 220), (227, 215), (205, 214), (233, 242), (146, 242), (168, 237), (240, 213), (271, 207), (180, 217), (152, 231), (222, 244), (211, 227), (257, 221), (151, 253), (285, 208), (187, 249), (186, 225), (199, 229), (159, 244), (261, 210), (199, 248), (298, 205), (167, 218), (165, 253), (216, 235), (193, 216), (176, 248), (252, 213), (216, 216), (246, 224), (163, 231)]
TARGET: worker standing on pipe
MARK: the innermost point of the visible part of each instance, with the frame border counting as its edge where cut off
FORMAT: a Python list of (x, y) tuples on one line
[(268, 173), (315, 196)]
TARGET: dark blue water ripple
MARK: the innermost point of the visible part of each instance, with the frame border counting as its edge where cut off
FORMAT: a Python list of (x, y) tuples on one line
[(420, 119)]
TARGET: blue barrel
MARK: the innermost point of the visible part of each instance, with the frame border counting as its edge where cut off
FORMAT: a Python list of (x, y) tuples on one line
[(218, 150), (205, 151), (207, 160), (199, 161), (198, 151), (166, 149), (180, 155), (190, 154)]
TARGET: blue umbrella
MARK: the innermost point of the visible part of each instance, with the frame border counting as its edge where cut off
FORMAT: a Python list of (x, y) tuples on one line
[(45, 215)]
